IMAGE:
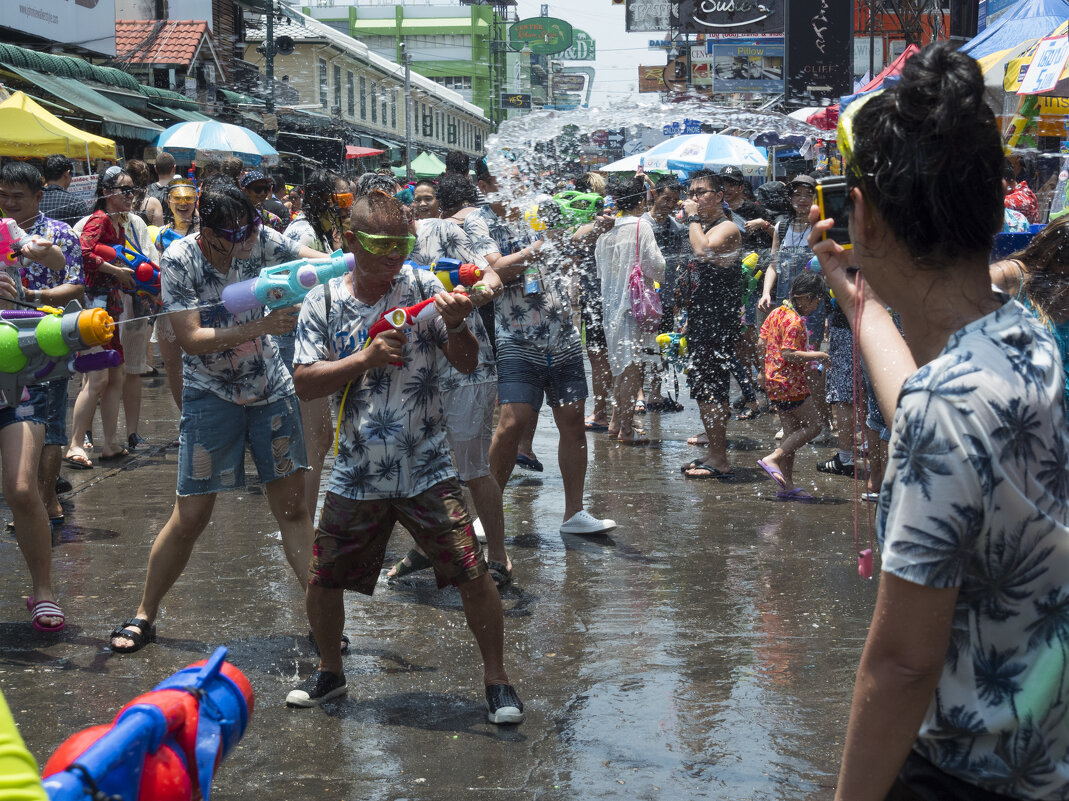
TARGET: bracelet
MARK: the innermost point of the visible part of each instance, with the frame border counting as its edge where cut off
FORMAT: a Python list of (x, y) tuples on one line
[(694, 218), (462, 327)]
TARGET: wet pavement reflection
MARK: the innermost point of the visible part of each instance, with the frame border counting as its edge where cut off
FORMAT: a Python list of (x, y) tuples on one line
[(706, 649)]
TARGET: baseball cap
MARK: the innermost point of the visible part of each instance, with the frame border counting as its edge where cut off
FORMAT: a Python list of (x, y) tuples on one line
[(252, 177), (732, 173), (804, 180)]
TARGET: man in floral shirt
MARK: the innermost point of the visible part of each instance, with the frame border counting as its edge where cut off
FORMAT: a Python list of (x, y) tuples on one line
[(236, 393), (21, 189), (393, 462), (540, 356)]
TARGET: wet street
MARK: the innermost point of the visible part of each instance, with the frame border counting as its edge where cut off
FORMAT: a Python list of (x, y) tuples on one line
[(706, 649)]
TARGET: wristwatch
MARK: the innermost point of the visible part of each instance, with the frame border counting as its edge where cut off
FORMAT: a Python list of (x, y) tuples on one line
[(694, 218)]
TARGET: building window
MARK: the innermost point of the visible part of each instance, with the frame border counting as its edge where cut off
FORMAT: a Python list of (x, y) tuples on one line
[(437, 125), (350, 94), (337, 87), (374, 102), (363, 98), (393, 110), (323, 82), (384, 107)]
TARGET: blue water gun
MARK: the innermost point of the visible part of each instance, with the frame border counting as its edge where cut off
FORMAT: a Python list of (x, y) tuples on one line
[(453, 273), (146, 272), (285, 284), (163, 745)]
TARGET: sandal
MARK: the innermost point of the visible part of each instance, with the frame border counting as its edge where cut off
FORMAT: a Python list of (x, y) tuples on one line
[(43, 609), (138, 630), (315, 645), (412, 562), (79, 461), (751, 413), (707, 471), (500, 573), (640, 407)]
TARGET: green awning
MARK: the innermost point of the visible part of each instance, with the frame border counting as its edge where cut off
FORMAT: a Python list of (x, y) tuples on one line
[(237, 98), (185, 114), (117, 121)]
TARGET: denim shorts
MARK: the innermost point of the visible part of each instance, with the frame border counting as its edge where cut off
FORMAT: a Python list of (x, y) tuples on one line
[(214, 433), (50, 408), (23, 413), (287, 347), (530, 375)]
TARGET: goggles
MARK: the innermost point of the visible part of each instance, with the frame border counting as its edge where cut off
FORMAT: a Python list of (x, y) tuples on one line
[(242, 233), (845, 131), (382, 245), (182, 196), (343, 200)]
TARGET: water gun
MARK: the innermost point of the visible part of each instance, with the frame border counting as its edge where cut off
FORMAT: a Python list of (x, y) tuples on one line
[(40, 345), (285, 284), (751, 276), (452, 272), (166, 238), (402, 317), (10, 244), (162, 746), (146, 273), (579, 207), (674, 349)]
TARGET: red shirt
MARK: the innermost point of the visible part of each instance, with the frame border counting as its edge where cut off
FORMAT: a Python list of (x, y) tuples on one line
[(784, 381)]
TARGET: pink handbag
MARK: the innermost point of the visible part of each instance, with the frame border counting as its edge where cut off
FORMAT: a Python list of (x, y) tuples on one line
[(645, 300)]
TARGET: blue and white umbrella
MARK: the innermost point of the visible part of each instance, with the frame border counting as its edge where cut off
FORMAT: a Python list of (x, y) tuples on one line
[(693, 152), (200, 140)]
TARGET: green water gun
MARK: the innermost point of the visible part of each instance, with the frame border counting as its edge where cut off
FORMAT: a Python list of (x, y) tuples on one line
[(751, 276)]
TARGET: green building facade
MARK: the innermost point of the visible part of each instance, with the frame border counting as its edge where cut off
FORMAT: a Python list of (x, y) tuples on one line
[(460, 47)]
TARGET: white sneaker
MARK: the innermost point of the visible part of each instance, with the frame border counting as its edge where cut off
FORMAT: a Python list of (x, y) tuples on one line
[(582, 522), (480, 535), (779, 434)]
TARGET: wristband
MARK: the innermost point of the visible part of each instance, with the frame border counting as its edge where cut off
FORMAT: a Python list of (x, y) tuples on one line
[(462, 327), (694, 218)]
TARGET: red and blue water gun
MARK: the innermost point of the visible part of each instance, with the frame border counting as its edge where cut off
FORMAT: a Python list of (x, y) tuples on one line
[(146, 273), (453, 273)]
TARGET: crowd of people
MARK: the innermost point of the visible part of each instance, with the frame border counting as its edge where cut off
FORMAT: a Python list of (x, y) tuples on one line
[(909, 324)]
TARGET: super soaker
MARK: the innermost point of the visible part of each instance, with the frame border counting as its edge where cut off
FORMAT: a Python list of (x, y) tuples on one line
[(146, 273), (453, 273), (11, 243), (38, 346), (674, 350), (162, 746), (402, 317), (285, 284)]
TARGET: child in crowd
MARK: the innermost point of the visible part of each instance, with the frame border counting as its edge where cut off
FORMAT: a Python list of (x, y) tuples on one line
[(784, 341)]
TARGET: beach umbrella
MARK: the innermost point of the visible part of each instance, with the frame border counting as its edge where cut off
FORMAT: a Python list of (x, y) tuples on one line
[(692, 152), (187, 141)]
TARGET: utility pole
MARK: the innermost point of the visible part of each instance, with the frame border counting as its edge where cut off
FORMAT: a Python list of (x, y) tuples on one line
[(406, 59), (269, 73)]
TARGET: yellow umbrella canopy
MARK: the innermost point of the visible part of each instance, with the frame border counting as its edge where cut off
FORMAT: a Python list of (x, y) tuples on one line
[(26, 130)]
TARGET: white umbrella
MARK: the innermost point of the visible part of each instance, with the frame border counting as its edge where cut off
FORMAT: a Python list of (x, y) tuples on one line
[(693, 152), (201, 140)]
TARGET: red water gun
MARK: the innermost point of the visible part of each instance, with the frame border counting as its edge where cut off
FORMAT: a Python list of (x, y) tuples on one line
[(146, 273), (401, 317)]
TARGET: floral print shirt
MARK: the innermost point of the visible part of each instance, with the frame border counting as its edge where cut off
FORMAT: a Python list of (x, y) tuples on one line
[(392, 435), (251, 373), (975, 497), (37, 276), (784, 328)]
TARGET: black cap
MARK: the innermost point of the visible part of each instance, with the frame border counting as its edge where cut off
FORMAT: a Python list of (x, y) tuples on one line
[(732, 173), (804, 180)]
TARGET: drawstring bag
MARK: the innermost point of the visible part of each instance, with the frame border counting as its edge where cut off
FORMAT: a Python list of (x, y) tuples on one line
[(645, 302)]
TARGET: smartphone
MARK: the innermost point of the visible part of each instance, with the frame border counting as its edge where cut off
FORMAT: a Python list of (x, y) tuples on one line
[(832, 197)]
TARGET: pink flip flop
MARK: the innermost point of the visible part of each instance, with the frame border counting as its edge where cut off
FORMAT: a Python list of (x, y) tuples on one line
[(43, 609), (796, 494), (773, 473)]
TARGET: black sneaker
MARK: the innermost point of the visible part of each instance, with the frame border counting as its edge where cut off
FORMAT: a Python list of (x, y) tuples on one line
[(503, 704), (835, 466), (318, 688)]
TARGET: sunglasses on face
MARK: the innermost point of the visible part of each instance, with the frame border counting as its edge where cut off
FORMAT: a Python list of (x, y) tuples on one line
[(382, 245), (240, 234), (696, 193), (260, 189), (125, 191)]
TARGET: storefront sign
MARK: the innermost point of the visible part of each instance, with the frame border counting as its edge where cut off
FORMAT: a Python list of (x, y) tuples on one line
[(732, 18), (545, 36), (747, 68), (582, 48), (819, 51), (651, 79), (647, 16)]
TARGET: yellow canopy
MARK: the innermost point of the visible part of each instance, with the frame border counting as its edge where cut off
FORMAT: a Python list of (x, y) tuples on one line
[(27, 130)]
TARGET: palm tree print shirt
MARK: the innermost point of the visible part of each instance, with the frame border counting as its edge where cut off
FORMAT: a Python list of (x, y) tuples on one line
[(975, 498), (392, 441)]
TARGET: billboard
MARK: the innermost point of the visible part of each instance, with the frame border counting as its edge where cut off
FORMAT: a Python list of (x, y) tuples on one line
[(545, 36), (648, 16), (86, 23), (752, 67), (651, 79), (515, 100), (733, 18), (820, 51), (582, 48)]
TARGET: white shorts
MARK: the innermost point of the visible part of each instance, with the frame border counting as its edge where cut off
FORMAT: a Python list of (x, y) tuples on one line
[(134, 338), (469, 424)]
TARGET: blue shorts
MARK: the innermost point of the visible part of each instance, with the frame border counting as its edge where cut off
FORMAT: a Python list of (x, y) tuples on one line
[(23, 413), (527, 375), (214, 433), (50, 408), (287, 348)]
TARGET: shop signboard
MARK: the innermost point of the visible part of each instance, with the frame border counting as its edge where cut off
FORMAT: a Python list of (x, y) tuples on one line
[(582, 48), (515, 100), (90, 24), (545, 36), (725, 19), (651, 79), (751, 67), (649, 16), (819, 51)]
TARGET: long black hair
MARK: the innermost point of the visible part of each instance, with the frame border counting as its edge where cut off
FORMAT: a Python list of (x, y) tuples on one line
[(319, 192), (928, 155), (222, 204)]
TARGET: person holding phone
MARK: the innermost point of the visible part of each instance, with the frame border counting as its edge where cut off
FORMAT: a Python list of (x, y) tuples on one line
[(961, 690)]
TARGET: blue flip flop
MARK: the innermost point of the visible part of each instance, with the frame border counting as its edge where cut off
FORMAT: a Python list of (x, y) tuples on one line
[(773, 473), (529, 463)]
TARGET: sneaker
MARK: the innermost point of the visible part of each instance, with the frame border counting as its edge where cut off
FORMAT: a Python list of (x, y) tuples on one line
[(582, 522), (835, 466), (503, 705), (318, 688), (870, 497)]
